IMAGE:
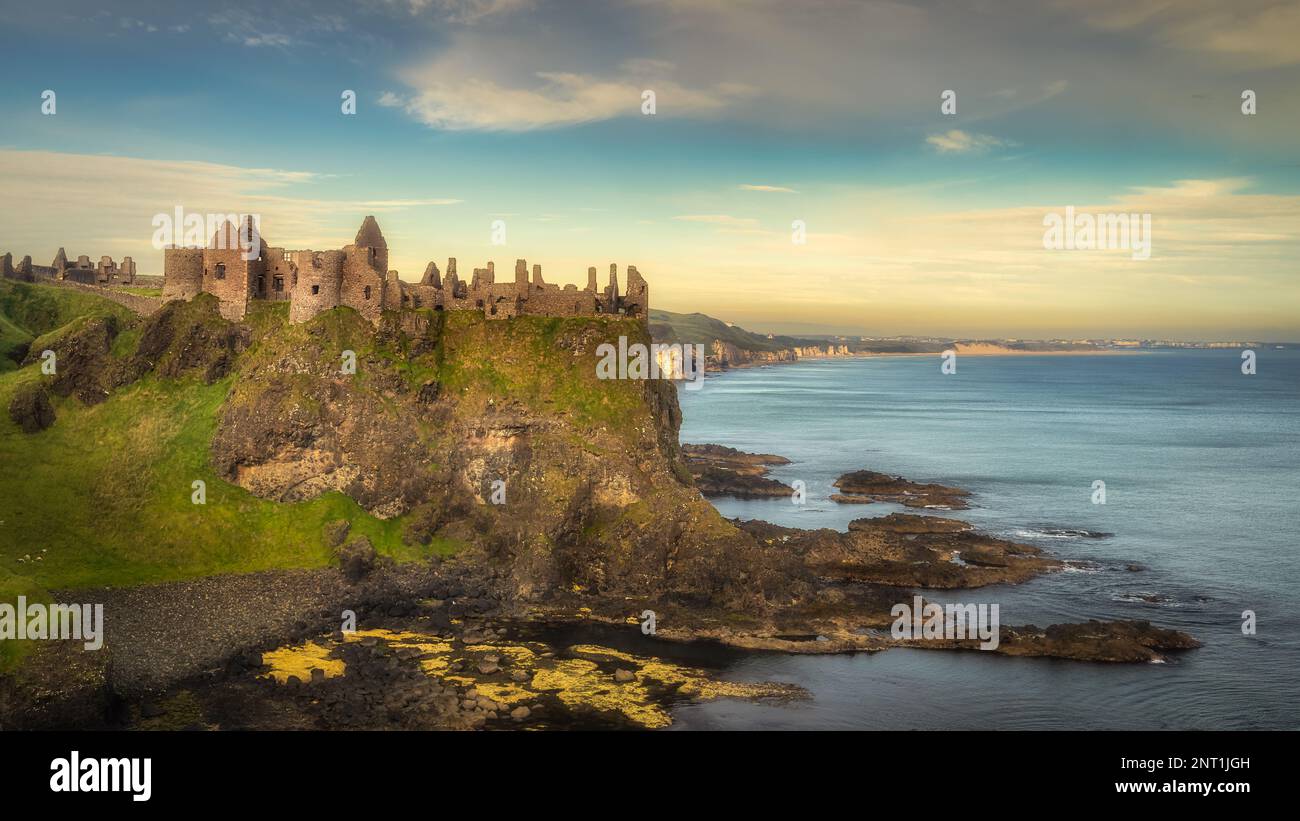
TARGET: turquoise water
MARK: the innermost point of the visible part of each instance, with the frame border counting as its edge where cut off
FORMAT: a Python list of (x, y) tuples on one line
[(1202, 471)]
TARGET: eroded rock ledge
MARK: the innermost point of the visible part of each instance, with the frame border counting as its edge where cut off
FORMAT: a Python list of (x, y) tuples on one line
[(724, 471), (867, 486)]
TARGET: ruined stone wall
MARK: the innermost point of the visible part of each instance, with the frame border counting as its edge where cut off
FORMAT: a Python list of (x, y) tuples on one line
[(320, 280), (392, 300), (356, 276), (142, 305), (83, 276), (182, 273), (363, 283), (277, 283), (231, 278), (636, 302), (566, 301)]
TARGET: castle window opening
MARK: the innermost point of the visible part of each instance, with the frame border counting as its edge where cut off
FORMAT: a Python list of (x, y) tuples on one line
[(221, 270), (315, 289), (278, 283), (367, 292)]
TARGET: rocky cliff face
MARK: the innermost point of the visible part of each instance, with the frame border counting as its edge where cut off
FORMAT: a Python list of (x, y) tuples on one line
[(723, 355), (495, 433)]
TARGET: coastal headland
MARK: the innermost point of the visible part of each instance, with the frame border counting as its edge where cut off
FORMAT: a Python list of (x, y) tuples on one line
[(471, 494)]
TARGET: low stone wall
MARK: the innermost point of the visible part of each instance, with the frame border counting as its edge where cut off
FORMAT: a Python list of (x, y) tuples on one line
[(142, 305)]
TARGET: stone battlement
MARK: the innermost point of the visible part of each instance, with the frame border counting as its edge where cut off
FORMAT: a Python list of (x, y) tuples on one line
[(237, 266)]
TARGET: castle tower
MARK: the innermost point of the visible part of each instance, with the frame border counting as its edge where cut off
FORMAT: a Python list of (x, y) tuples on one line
[(320, 282), (60, 263), (371, 238), (365, 271), (538, 283), (591, 279), (25, 269), (431, 276), (234, 264), (521, 276), (182, 272), (7, 265)]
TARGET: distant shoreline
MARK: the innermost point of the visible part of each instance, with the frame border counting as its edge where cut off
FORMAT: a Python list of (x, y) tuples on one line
[(970, 350)]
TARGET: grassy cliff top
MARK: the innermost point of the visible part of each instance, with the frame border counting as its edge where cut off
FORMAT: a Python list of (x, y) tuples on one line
[(674, 328), (103, 496)]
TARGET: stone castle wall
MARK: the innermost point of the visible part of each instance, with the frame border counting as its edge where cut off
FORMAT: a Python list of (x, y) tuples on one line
[(356, 276)]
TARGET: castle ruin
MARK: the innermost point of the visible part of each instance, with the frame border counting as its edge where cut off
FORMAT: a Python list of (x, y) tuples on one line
[(105, 272), (237, 267)]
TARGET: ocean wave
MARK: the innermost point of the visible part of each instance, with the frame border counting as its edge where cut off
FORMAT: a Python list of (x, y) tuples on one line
[(1080, 567), (1144, 597), (1062, 533)]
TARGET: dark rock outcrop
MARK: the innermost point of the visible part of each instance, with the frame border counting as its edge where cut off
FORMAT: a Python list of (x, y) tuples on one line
[(30, 408), (866, 486), (724, 471)]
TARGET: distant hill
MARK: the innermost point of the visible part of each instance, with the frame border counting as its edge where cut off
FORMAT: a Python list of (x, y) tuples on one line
[(674, 328)]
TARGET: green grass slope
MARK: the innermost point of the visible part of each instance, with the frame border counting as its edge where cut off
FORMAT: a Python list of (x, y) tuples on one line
[(103, 497), (673, 328)]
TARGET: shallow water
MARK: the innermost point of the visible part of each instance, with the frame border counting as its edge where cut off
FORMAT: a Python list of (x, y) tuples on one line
[(1202, 471)]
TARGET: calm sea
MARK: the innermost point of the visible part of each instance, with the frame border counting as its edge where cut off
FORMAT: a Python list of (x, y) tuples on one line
[(1201, 466)]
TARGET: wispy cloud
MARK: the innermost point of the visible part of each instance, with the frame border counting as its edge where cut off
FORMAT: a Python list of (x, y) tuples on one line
[(55, 211), (768, 189), (445, 96), (464, 11), (1261, 32), (957, 141)]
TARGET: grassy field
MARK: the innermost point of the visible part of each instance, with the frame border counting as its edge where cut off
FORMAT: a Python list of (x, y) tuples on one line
[(28, 311), (103, 497)]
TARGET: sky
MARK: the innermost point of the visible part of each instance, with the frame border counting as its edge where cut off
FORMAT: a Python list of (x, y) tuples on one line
[(768, 115)]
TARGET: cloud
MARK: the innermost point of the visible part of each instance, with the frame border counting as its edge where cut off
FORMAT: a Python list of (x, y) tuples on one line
[(770, 189), (447, 97), (1260, 32), (268, 39), (466, 12), (957, 141), (55, 210)]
